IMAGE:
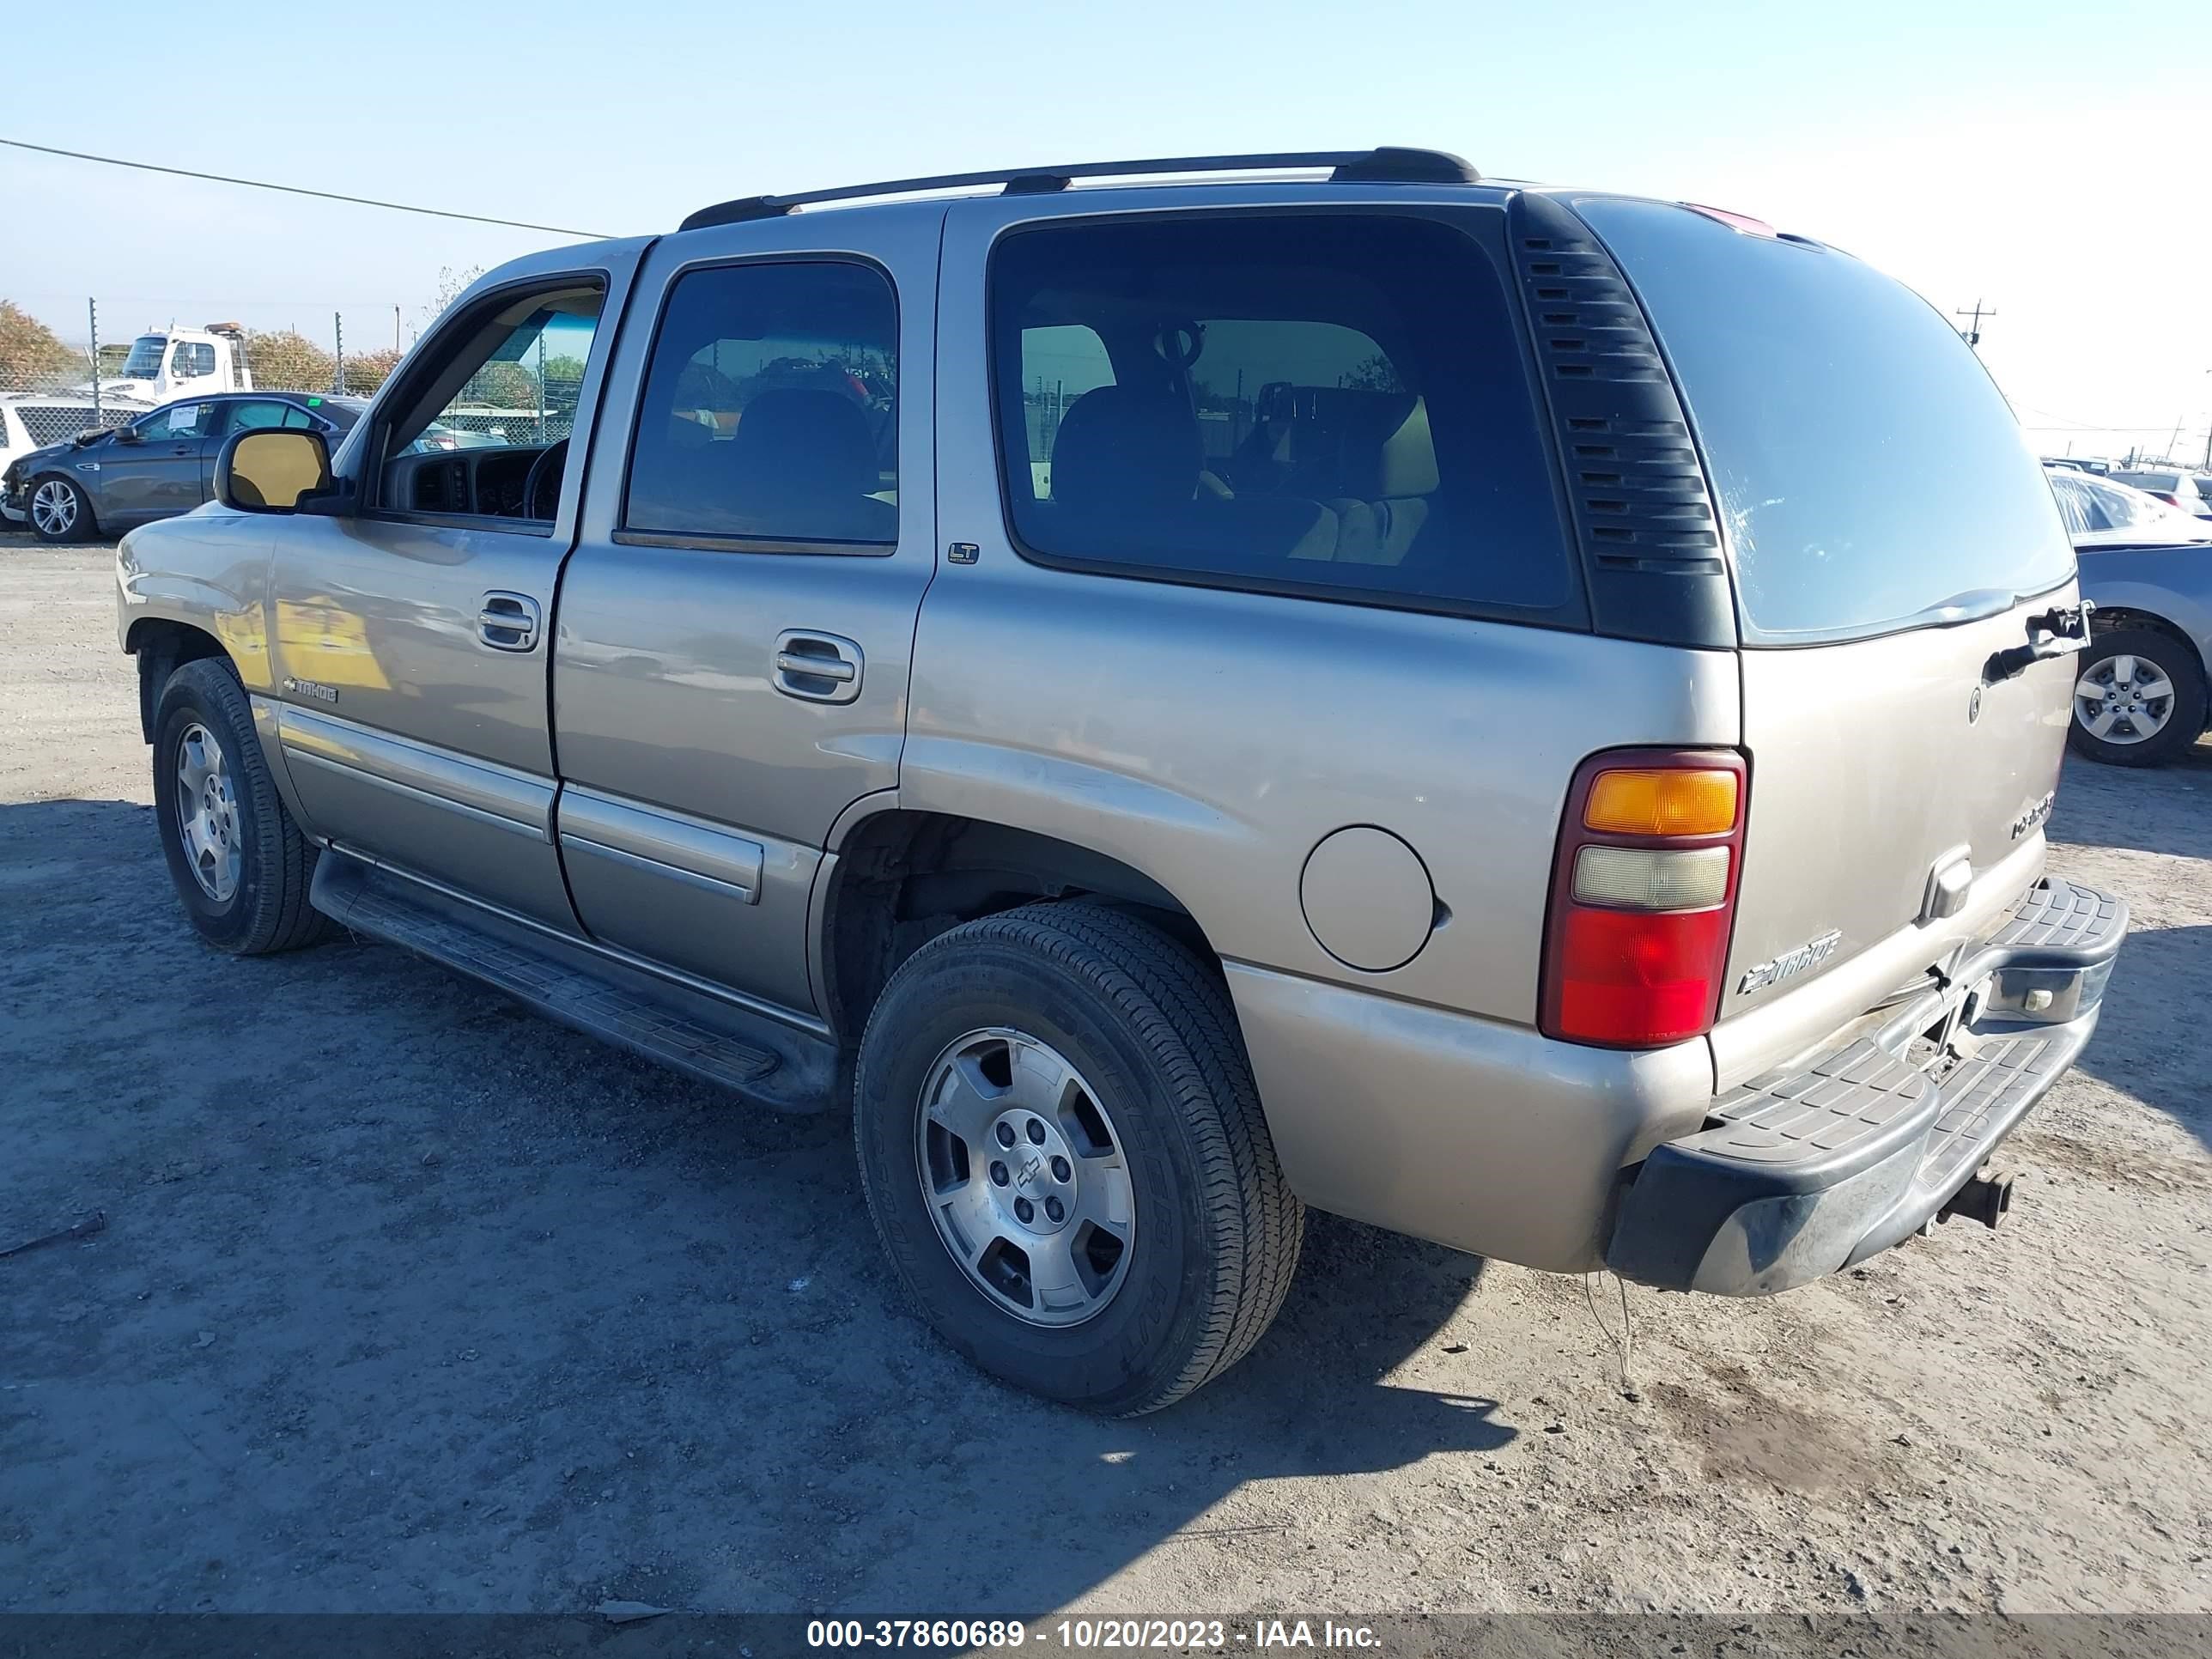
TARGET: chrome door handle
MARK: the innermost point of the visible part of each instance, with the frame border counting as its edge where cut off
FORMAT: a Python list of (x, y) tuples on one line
[(509, 622), (816, 667)]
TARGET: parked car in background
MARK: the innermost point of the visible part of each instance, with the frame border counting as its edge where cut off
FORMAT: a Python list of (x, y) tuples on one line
[(2172, 485), (2078, 463), (2143, 694), (156, 466)]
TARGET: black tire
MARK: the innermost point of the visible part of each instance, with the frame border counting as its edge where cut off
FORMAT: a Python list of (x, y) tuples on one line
[(2184, 718), (267, 910), (1151, 1026), (82, 525)]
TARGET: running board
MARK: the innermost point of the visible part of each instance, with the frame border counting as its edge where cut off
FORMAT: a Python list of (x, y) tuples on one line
[(767, 1062)]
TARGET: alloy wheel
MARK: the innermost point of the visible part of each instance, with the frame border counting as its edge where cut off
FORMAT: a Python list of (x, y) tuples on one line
[(1025, 1176), (54, 507), (207, 813), (2124, 700)]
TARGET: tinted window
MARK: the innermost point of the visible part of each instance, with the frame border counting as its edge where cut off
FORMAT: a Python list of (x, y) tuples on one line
[(1866, 466), (2074, 505), (771, 407), (2123, 508), (252, 414), (1299, 401)]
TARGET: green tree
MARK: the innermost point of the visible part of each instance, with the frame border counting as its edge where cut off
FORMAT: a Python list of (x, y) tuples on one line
[(31, 355), (1374, 373), (503, 386), (287, 361), (370, 370)]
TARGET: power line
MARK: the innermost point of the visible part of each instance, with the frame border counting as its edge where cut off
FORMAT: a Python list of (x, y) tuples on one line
[(301, 189)]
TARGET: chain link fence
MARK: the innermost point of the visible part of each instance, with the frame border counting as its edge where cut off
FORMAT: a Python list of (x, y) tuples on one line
[(53, 387)]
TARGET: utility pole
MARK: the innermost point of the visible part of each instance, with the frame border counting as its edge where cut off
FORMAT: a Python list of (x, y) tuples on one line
[(92, 310), (338, 329), (395, 328), (1974, 330)]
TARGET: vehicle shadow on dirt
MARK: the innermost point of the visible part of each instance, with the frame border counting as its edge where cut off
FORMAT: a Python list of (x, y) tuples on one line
[(409, 1300), (2166, 809), (2150, 1039)]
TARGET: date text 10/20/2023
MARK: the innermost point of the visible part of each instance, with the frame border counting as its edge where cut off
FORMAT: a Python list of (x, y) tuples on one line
[(1151, 1635)]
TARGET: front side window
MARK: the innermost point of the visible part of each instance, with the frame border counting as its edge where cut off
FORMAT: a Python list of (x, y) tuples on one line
[(771, 410), (1297, 401), (181, 421), (504, 381)]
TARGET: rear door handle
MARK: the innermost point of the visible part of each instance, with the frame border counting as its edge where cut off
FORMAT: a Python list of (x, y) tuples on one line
[(816, 667), (509, 622)]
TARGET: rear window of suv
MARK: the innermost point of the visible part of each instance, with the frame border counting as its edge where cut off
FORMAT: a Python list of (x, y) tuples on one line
[(1866, 465), (1315, 404)]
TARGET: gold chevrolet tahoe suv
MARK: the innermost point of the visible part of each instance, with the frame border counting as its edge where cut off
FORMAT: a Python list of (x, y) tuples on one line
[(1178, 691)]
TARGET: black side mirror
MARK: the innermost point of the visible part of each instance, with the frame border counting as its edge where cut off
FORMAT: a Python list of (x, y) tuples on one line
[(272, 469), (129, 435)]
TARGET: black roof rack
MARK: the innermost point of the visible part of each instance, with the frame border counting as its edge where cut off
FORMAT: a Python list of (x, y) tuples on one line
[(1386, 165)]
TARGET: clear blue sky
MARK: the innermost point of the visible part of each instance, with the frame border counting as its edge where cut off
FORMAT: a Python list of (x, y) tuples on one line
[(2054, 160)]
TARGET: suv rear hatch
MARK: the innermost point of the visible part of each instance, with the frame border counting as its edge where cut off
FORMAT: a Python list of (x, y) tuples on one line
[(1896, 557)]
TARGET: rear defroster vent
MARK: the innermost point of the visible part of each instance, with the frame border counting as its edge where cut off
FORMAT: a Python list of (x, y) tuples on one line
[(1641, 509)]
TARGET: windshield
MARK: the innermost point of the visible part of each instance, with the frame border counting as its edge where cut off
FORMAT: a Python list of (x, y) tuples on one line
[(145, 362), (1867, 467)]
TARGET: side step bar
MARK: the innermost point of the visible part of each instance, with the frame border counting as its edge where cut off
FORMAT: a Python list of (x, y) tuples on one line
[(582, 986)]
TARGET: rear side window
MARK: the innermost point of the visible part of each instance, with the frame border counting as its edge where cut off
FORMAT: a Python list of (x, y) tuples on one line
[(1298, 403), (2124, 508), (1866, 466), (2074, 505), (771, 410)]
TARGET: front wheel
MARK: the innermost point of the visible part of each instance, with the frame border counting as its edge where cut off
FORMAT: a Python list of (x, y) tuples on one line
[(1065, 1157), (59, 511), (2140, 698), (239, 863)]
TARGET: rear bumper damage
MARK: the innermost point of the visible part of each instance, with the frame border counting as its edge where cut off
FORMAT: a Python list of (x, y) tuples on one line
[(1799, 1174)]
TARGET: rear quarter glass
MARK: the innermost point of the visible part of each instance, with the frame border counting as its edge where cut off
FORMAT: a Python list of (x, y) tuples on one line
[(1865, 466)]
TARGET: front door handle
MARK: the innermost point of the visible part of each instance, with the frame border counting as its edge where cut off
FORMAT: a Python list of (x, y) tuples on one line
[(816, 667), (509, 622)]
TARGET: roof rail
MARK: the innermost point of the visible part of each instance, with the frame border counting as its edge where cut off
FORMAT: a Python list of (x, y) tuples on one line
[(1385, 165)]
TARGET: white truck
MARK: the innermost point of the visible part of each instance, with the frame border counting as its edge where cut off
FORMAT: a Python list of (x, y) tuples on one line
[(177, 363)]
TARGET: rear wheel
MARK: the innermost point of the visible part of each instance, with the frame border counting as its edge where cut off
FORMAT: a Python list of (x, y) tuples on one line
[(239, 863), (59, 511), (2139, 699), (1066, 1160)]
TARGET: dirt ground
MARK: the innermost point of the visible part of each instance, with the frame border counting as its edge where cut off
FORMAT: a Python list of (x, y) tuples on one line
[(410, 1300)]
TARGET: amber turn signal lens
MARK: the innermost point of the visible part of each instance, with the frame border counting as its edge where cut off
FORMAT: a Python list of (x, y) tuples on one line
[(1661, 803)]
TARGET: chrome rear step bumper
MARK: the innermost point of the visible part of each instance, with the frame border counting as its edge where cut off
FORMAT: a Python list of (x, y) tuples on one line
[(1798, 1175)]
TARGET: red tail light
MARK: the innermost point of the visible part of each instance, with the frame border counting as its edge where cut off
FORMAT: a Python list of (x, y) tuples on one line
[(2170, 501), (1643, 902)]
